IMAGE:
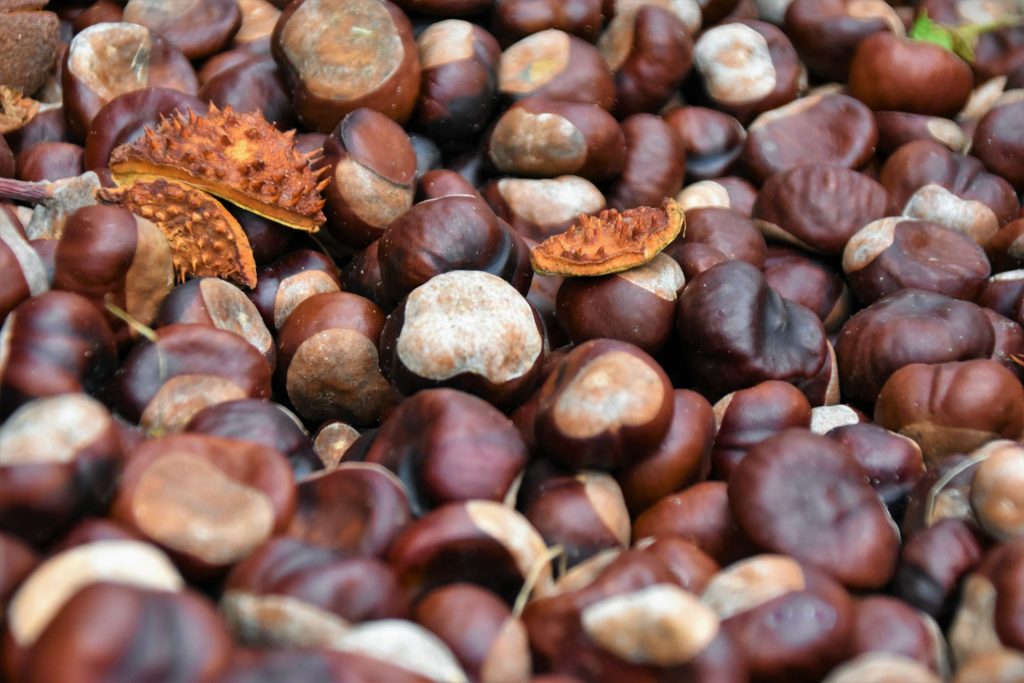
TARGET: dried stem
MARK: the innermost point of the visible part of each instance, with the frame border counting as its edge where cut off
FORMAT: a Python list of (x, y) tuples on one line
[(21, 191)]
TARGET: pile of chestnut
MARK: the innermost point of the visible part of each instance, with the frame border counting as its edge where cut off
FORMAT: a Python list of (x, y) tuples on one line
[(787, 449)]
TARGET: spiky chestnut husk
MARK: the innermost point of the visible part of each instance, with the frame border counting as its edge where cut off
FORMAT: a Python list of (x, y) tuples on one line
[(239, 157), (205, 239), (609, 242)]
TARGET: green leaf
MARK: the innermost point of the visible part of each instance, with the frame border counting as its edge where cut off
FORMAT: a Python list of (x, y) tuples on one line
[(925, 30), (959, 40)]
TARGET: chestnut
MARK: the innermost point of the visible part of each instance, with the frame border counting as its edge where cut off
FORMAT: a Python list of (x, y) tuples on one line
[(819, 207), (655, 163), (893, 73), (332, 442), (258, 19), (908, 326), (198, 29), (747, 67), (355, 508), (22, 272), (1005, 249), (747, 417), (824, 127), (459, 81), (541, 137), (607, 405), (713, 140), (481, 542), (682, 458), (726, 193), (373, 168), (261, 422), (111, 59), (892, 254), (878, 667), (988, 617), (995, 141), (290, 280), (362, 276), (377, 66), (809, 281), (435, 441), (139, 646), (53, 343), (996, 491), (489, 641), (952, 407), (163, 383), (254, 84), (208, 500), (736, 331), (933, 563), (894, 463), (721, 231), (649, 50), (328, 359), (440, 182), (467, 330), (897, 128), (635, 305), (557, 65), (457, 232), (293, 594), (48, 161), (885, 624), (539, 208), (515, 19)]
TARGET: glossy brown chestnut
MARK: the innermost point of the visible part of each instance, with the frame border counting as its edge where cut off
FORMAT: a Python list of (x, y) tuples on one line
[(539, 208), (328, 359), (377, 67), (894, 463), (48, 161), (373, 168), (290, 280), (997, 139), (996, 491), (933, 563), (557, 65), (208, 500), (713, 140), (515, 19), (198, 29), (22, 270), (809, 281), (254, 84), (655, 163)]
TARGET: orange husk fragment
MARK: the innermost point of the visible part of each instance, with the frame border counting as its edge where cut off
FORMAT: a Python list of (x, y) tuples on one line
[(205, 239), (239, 157), (610, 242)]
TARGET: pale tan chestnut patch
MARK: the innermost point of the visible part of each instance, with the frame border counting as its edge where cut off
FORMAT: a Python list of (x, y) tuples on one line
[(111, 58), (280, 620), (188, 504), (375, 200), (967, 216), (181, 397), (661, 276), (231, 310), (870, 241), (551, 200), (295, 289), (444, 42), (332, 441), (150, 277), (513, 531), (403, 644), (536, 144), (735, 63), (701, 194), (750, 583), (52, 430), (533, 62)]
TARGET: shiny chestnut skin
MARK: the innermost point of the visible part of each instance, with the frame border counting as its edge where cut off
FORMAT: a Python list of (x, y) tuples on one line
[(162, 384), (851, 536), (457, 232), (650, 52), (636, 306), (608, 404), (933, 183), (681, 459), (538, 208), (997, 140), (123, 119), (373, 168), (102, 64), (515, 19), (655, 163), (254, 84), (952, 407), (572, 69), (50, 161), (809, 281), (909, 326), (892, 73), (746, 417), (583, 513), (892, 254), (328, 359), (726, 233), (459, 80), (440, 182), (893, 462), (933, 563), (885, 624), (289, 593), (362, 276), (288, 281), (17, 561), (488, 640), (738, 349), (747, 67), (897, 128), (729, 192), (48, 125), (435, 441), (53, 343), (138, 646), (261, 422), (328, 81), (198, 29), (544, 138), (207, 500), (467, 330), (478, 541), (996, 490), (22, 269), (791, 621), (713, 140), (313, 664), (818, 207), (61, 456), (826, 34), (1005, 248), (823, 127), (355, 508)]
